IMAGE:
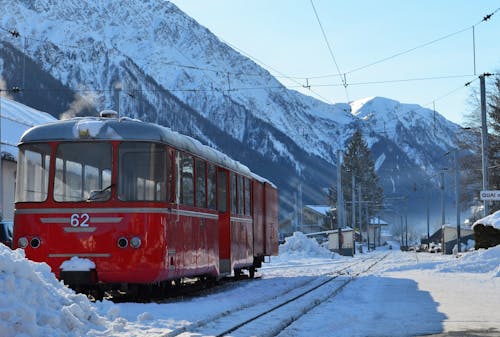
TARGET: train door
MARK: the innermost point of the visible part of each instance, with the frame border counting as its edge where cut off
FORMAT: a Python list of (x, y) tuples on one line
[(224, 221)]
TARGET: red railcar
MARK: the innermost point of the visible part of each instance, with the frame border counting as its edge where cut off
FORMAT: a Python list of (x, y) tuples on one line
[(139, 203)]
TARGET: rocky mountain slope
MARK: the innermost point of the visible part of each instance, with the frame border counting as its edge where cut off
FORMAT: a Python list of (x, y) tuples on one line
[(151, 61)]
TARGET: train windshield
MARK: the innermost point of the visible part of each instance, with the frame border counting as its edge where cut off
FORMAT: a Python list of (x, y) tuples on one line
[(33, 173), (83, 170)]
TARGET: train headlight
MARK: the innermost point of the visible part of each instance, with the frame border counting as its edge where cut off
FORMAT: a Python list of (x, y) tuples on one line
[(135, 242), (22, 242), (35, 242), (122, 242)]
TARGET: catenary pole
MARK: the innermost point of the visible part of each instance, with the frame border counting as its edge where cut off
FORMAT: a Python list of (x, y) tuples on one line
[(457, 201), (340, 206), (428, 219), (441, 175), (484, 141)]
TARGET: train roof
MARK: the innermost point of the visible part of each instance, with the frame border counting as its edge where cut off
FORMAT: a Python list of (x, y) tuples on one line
[(104, 128)]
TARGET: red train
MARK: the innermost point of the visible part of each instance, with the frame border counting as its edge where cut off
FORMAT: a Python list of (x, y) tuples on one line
[(139, 203)]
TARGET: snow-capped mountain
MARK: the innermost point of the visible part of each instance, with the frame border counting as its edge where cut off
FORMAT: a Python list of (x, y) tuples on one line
[(151, 61)]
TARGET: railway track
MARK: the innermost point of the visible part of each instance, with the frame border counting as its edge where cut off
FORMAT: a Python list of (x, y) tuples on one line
[(282, 310)]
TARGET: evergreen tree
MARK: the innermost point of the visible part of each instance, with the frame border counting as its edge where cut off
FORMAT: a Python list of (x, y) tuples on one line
[(358, 162)]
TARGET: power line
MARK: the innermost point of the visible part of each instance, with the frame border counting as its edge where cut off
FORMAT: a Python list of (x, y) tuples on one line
[(14, 33), (344, 82), (256, 60), (486, 18), (415, 79)]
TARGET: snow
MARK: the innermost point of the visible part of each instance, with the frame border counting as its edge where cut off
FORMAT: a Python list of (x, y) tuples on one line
[(490, 220), (299, 246), (323, 210), (407, 294), (34, 303), (16, 119), (77, 264), (180, 55)]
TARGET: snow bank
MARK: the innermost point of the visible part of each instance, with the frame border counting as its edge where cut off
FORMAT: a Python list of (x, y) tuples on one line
[(490, 220), (300, 245), (77, 264), (34, 303), (479, 261)]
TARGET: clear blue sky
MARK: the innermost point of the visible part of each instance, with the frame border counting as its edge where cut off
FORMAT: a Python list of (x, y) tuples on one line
[(285, 36)]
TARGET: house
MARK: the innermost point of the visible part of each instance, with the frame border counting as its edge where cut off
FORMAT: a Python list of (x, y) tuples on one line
[(315, 218), (15, 119)]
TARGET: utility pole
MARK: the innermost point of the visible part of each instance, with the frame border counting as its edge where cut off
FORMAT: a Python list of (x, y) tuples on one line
[(118, 89), (441, 174), (353, 210), (340, 206), (406, 229), (457, 201), (484, 140), (360, 211), (353, 195), (300, 208), (402, 232), (367, 228), (428, 219)]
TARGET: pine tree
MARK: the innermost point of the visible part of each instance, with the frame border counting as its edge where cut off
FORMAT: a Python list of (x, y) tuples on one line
[(358, 162)]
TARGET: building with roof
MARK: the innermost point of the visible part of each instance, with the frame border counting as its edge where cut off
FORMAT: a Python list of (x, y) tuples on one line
[(315, 218), (15, 119)]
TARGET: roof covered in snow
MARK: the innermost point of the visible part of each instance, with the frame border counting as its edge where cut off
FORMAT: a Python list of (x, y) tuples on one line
[(320, 209), (490, 220), (16, 118), (104, 128)]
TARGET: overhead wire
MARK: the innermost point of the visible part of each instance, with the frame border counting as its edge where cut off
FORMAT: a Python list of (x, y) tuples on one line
[(344, 82), (485, 18), (193, 65)]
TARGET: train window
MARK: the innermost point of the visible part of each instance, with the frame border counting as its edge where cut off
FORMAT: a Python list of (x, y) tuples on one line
[(142, 173), (82, 171), (241, 195), (187, 184), (248, 210), (33, 172), (233, 193), (211, 186), (170, 174), (222, 191), (201, 192)]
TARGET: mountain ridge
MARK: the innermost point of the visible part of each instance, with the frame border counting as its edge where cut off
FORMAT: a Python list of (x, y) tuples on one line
[(175, 72)]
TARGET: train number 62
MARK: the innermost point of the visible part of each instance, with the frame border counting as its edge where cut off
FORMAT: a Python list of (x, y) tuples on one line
[(79, 220)]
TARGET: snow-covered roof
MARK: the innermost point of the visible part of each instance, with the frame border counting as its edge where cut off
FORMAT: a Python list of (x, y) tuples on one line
[(16, 118), (103, 128), (491, 220), (320, 209)]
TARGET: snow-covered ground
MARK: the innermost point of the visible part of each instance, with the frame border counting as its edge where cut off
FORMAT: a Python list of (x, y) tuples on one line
[(407, 294)]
